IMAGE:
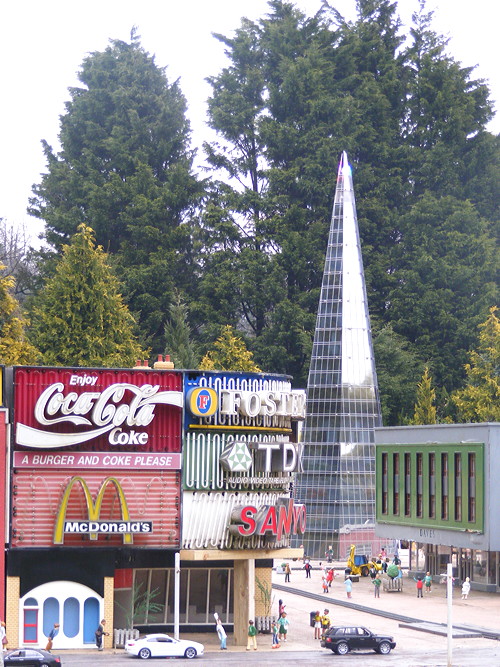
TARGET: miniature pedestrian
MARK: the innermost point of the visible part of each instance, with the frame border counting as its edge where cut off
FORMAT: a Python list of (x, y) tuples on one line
[(324, 584), (281, 608), (325, 621), (283, 624), (3, 637), (252, 636), (99, 634), (287, 573), (317, 625), (465, 588), (428, 583), (274, 630), (329, 577), (385, 565), (308, 568), (221, 633), (373, 571), (420, 587), (376, 584), (348, 586), (50, 638), (329, 554)]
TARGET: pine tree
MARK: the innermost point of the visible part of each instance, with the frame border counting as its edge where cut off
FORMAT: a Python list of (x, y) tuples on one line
[(479, 401), (125, 169), (178, 338), (79, 318), (229, 353), (425, 410), (14, 348)]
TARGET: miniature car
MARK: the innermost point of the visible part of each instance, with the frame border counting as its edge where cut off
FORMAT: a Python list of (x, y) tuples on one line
[(31, 657), (163, 646), (343, 639)]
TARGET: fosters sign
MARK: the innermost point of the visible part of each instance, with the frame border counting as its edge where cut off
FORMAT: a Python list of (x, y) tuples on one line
[(241, 431), (100, 409)]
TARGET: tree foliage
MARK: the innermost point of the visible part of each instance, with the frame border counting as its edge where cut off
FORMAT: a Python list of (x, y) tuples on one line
[(179, 343), (229, 353), (14, 347), (79, 318), (125, 169), (425, 408), (479, 401)]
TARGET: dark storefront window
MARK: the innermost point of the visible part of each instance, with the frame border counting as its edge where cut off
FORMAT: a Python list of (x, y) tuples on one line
[(472, 488), (385, 502), (420, 474), (432, 486), (444, 486), (407, 485), (458, 487), (395, 484)]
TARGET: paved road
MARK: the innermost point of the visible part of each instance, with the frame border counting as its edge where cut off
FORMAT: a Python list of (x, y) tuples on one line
[(469, 656)]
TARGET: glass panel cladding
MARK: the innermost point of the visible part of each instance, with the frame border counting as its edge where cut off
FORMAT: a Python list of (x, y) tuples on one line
[(337, 484)]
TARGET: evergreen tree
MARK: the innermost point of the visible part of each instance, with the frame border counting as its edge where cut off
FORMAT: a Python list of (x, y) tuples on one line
[(229, 353), (79, 318), (125, 169), (398, 370), (425, 409), (178, 338), (14, 348), (479, 401)]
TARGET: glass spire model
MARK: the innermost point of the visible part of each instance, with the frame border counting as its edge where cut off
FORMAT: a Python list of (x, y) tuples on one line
[(337, 484)]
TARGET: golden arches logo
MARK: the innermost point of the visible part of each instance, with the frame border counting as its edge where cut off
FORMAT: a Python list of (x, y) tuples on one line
[(93, 509)]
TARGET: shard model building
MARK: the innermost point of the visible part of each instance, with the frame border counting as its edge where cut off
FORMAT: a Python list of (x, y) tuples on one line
[(337, 484)]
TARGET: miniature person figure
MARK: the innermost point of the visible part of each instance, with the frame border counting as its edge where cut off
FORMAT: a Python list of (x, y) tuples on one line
[(281, 608), (465, 588), (329, 554), (221, 633), (287, 573), (50, 638), (308, 568), (252, 636), (3, 637), (376, 584), (99, 634), (325, 621), (317, 625), (283, 624), (428, 582), (348, 586), (274, 630), (329, 576), (324, 584), (420, 587)]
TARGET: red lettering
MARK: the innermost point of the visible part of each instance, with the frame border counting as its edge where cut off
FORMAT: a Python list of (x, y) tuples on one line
[(247, 518), (299, 519), (270, 522), (285, 519)]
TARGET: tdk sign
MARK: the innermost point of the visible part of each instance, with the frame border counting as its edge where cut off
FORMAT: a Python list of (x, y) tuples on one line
[(202, 401)]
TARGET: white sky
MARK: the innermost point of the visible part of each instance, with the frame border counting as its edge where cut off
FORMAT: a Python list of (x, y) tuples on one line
[(43, 45)]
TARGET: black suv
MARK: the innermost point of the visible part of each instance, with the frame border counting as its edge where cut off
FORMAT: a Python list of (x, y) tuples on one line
[(341, 640)]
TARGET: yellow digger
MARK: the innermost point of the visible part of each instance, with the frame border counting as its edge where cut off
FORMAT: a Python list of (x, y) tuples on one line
[(359, 564)]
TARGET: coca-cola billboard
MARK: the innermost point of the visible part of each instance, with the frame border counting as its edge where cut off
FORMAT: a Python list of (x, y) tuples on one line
[(97, 410)]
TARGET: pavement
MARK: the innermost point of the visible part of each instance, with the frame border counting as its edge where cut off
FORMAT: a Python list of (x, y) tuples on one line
[(479, 612)]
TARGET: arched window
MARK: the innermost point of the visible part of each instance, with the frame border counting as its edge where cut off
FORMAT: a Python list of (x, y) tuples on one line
[(71, 617), (30, 621), (50, 614)]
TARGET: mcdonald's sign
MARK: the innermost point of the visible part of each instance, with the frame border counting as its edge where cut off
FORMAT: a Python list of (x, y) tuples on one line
[(93, 526)]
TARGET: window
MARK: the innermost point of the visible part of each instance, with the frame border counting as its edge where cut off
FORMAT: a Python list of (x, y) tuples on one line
[(432, 485), (385, 501), (444, 486), (420, 475), (407, 484), (30, 635), (395, 484), (472, 488), (458, 487)]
